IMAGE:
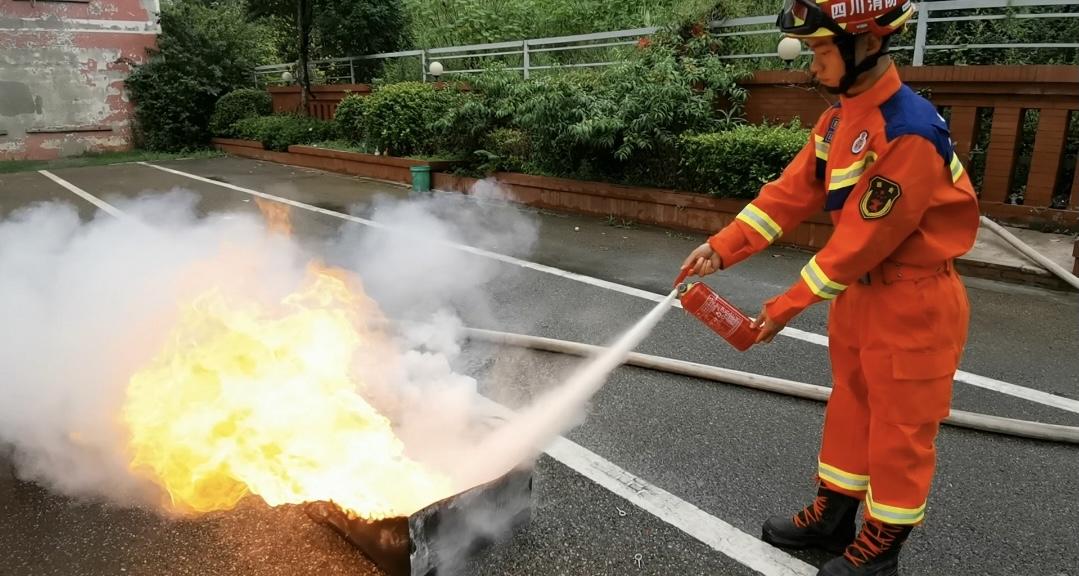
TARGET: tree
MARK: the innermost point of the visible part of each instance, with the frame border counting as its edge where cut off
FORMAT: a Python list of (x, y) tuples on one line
[(303, 23), (204, 51), (332, 29)]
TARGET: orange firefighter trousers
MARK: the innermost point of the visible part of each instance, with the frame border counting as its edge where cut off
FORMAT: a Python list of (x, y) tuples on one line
[(896, 337)]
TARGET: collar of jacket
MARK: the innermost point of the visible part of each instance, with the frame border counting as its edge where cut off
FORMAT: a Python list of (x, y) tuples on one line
[(884, 88)]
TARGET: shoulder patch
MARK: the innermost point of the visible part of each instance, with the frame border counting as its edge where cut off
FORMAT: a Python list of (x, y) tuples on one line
[(879, 198)]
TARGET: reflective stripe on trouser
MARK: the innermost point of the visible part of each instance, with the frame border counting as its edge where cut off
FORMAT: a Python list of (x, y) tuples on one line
[(892, 374)]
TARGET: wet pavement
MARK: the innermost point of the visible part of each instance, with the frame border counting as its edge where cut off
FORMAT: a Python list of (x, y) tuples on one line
[(999, 505)]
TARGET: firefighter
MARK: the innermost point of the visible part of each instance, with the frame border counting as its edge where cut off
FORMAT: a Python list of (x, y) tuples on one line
[(881, 163)]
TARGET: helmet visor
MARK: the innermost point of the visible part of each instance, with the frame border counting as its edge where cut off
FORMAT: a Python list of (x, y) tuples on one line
[(803, 18)]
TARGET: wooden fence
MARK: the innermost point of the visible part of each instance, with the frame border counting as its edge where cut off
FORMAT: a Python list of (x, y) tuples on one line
[(986, 107), (1025, 181)]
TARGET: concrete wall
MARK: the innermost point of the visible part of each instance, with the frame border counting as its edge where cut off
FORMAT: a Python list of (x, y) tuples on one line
[(62, 71)]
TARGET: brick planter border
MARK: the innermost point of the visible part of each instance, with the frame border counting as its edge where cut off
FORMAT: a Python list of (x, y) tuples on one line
[(353, 163), (655, 206)]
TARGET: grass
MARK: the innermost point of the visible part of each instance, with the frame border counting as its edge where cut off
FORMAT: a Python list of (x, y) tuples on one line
[(344, 146), (101, 159)]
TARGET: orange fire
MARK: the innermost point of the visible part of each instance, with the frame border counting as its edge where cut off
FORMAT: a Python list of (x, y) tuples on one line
[(252, 399)]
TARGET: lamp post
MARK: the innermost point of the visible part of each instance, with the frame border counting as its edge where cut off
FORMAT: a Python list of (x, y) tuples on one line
[(789, 49), (435, 69)]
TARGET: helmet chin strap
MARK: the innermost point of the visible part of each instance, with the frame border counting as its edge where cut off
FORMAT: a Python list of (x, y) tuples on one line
[(846, 44)]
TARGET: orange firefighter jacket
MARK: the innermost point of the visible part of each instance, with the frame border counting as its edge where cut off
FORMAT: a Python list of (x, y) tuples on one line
[(881, 163)]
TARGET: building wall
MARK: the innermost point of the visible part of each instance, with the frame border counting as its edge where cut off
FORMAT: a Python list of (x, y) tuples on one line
[(62, 71)]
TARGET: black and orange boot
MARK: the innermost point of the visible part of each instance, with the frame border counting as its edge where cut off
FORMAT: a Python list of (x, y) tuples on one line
[(875, 552), (827, 523)]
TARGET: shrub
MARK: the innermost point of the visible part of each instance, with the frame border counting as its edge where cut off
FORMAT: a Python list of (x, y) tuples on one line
[(621, 124), (505, 149), (401, 119), (349, 117), (238, 105), (203, 53), (738, 162), (280, 131)]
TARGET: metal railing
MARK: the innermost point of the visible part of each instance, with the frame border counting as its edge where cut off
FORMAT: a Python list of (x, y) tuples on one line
[(525, 55)]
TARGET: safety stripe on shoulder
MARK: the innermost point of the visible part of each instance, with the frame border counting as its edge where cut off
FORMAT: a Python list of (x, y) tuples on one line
[(842, 478), (819, 282), (822, 148), (760, 221), (893, 514), (956, 167)]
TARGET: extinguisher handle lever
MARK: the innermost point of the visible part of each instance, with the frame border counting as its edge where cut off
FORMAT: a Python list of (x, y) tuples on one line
[(682, 276)]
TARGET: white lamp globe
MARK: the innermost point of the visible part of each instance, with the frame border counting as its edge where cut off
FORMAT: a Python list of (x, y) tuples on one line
[(435, 69), (286, 77), (789, 48)]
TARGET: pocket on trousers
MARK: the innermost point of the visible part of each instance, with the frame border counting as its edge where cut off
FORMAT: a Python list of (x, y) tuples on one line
[(923, 365), (910, 387)]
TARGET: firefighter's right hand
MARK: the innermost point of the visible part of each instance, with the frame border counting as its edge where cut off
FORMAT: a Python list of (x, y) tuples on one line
[(703, 261)]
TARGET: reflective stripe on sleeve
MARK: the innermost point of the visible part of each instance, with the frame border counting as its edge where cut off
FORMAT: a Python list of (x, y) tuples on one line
[(819, 282), (760, 221)]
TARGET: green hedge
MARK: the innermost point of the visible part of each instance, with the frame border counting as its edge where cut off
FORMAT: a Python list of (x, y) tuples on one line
[(239, 105), (278, 132), (400, 119), (349, 117), (735, 163)]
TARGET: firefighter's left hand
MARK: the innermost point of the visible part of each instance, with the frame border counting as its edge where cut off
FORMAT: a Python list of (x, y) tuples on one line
[(768, 327)]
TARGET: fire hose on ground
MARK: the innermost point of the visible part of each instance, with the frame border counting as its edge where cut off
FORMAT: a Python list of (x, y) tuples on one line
[(958, 418), (1031, 253)]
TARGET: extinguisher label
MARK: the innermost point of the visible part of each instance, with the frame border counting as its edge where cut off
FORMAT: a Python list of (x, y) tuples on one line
[(719, 317)]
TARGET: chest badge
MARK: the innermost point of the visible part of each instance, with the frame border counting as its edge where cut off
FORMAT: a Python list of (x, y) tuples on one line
[(859, 142)]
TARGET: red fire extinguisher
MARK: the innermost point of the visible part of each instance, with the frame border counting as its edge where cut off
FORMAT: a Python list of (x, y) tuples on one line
[(716, 312)]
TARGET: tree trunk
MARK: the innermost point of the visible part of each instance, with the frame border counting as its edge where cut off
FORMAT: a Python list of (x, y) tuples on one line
[(303, 23)]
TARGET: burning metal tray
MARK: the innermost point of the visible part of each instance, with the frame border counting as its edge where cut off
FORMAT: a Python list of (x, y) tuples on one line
[(441, 534)]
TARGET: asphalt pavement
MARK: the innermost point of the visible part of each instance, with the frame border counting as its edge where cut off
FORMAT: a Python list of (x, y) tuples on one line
[(999, 505)]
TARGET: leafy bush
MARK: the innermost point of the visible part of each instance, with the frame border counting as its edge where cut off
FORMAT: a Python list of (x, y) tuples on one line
[(280, 131), (737, 162), (620, 124), (673, 85), (203, 52), (436, 23), (349, 117), (238, 105), (401, 119), (505, 150)]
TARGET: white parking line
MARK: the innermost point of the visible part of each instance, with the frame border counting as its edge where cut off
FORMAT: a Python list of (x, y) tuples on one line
[(710, 530), (985, 382), (719, 535), (105, 206)]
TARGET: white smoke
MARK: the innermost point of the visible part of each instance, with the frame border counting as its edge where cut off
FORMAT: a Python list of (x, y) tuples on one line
[(87, 304)]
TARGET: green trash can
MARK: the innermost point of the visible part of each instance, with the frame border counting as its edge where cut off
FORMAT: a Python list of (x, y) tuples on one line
[(421, 179)]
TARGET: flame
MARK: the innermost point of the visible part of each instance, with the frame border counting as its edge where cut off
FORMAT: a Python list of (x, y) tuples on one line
[(250, 399), (277, 215)]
